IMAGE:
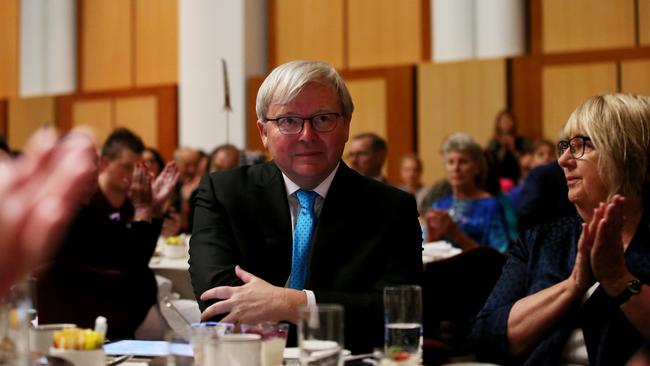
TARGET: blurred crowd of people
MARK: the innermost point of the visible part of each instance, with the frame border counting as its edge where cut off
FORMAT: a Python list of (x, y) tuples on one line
[(85, 222)]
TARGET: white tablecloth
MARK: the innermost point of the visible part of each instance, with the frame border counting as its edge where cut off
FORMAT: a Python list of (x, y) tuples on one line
[(437, 250), (176, 269)]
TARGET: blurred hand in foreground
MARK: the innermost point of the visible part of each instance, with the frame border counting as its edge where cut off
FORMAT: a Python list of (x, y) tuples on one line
[(40, 192)]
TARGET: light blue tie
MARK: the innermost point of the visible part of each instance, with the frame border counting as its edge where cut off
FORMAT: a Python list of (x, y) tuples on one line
[(302, 238)]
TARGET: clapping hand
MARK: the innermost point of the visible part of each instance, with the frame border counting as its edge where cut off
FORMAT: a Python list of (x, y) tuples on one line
[(140, 191), (148, 194), (163, 186), (439, 224), (607, 253), (39, 193)]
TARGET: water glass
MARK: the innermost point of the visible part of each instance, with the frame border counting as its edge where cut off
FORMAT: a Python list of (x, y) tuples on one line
[(204, 335), (403, 320), (16, 313), (274, 339), (320, 335)]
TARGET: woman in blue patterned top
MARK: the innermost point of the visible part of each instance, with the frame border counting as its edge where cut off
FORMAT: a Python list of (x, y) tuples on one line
[(470, 216)]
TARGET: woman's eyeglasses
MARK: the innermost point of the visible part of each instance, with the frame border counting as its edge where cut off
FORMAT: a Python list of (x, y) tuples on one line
[(576, 146)]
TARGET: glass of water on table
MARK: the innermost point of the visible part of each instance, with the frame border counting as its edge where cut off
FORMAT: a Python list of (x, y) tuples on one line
[(320, 335), (403, 321)]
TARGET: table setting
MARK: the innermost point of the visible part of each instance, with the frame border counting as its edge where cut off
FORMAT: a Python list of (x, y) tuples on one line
[(438, 250), (170, 260)]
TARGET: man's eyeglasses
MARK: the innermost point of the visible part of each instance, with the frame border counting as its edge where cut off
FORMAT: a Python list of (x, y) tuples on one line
[(291, 125), (576, 146)]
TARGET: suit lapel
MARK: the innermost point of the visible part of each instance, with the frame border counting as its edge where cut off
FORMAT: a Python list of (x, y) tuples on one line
[(272, 212), (335, 215)]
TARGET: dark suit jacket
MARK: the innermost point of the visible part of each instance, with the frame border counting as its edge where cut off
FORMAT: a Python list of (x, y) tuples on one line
[(544, 197), (367, 237), (544, 257)]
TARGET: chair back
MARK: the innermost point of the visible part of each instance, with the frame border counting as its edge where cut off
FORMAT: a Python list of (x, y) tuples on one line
[(455, 288)]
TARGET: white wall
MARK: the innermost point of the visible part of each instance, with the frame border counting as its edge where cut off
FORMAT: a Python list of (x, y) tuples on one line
[(210, 30), (47, 47)]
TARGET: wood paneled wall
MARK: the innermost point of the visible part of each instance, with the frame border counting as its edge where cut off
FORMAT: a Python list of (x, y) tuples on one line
[(565, 87), (106, 44), (127, 43), (26, 116), (3, 117), (456, 97), (9, 31), (644, 22), (96, 114), (384, 32), (156, 42), (635, 76), (370, 112), (306, 30), (349, 34), (579, 25), (140, 115), (149, 112), (599, 45)]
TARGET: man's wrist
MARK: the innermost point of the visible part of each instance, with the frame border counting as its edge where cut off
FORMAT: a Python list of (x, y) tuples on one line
[(142, 214), (293, 301)]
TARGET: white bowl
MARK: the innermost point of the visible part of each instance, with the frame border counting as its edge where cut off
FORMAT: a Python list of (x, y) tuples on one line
[(175, 251), (40, 336), (94, 357)]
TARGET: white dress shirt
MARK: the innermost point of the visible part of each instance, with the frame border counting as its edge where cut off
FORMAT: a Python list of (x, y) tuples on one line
[(294, 208)]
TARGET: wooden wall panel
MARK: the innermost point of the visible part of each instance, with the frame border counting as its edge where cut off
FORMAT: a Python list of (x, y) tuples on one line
[(565, 87), (140, 115), (644, 22), (253, 141), (26, 116), (106, 44), (3, 117), (156, 42), (456, 97), (97, 114), (370, 112), (306, 30), (398, 104), (635, 77), (578, 25), (9, 32), (150, 112), (384, 32)]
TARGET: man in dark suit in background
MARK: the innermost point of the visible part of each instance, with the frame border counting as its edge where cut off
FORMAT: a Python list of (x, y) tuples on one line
[(367, 155), (248, 257)]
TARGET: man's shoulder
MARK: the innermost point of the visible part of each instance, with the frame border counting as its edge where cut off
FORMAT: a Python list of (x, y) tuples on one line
[(248, 174), (359, 186)]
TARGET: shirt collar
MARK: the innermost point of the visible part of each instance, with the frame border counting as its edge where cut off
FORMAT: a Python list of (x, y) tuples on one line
[(321, 189)]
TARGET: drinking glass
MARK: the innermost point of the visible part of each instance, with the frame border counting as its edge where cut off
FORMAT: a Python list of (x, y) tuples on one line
[(403, 320), (16, 313), (204, 335), (320, 335), (274, 340)]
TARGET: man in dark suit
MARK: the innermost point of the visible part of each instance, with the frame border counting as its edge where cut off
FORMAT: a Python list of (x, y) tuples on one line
[(245, 251), (367, 155)]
